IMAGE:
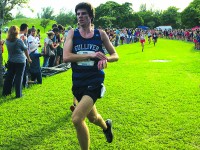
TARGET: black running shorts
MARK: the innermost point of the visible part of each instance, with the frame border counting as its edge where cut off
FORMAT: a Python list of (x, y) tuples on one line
[(94, 91)]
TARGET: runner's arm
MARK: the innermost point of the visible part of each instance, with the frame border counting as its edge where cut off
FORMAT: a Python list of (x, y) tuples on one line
[(109, 47)]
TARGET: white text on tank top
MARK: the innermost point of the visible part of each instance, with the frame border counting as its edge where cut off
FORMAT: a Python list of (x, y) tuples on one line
[(86, 49)]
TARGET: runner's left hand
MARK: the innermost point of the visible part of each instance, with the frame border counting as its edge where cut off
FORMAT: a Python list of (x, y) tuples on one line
[(102, 64)]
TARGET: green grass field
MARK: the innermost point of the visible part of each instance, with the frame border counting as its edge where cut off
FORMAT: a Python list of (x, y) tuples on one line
[(153, 105)]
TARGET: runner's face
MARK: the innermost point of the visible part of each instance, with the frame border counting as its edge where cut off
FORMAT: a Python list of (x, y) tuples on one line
[(83, 17)]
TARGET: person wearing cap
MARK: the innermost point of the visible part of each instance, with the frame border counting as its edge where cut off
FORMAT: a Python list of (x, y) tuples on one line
[(17, 54), (48, 43)]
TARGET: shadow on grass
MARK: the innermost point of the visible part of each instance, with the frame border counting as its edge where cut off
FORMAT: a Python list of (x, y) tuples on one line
[(193, 50), (30, 140), (5, 99), (134, 53)]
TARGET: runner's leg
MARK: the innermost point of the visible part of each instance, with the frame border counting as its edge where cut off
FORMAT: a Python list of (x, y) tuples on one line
[(78, 118)]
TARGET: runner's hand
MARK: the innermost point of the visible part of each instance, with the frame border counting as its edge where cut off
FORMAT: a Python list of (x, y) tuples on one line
[(99, 55), (29, 60), (102, 64)]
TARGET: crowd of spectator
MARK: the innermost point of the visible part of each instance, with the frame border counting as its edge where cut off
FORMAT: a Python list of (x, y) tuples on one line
[(23, 45), (128, 35), (52, 49)]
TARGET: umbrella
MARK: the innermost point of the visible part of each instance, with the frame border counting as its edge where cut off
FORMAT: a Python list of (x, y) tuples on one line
[(194, 28)]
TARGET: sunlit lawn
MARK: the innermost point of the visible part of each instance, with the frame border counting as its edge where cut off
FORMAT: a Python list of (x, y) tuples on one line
[(153, 105)]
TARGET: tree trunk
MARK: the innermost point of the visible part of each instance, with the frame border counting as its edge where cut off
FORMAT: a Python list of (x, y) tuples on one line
[(1, 62), (1, 58), (1, 68)]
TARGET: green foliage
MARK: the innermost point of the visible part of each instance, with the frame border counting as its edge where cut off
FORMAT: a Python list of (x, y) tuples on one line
[(113, 14), (170, 16), (147, 16), (104, 12), (20, 15), (151, 24), (153, 105), (8, 17), (125, 17), (190, 16), (106, 21), (156, 18), (143, 8), (47, 13), (66, 18), (44, 23), (131, 21), (7, 5)]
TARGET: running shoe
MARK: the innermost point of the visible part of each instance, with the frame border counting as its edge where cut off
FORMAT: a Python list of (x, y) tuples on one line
[(108, 132)]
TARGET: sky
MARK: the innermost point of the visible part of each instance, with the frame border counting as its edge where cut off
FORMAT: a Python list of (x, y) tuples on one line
[(69, 5)]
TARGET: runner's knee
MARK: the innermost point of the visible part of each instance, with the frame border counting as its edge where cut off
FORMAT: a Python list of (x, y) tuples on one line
[(93, 119), (77, 120)]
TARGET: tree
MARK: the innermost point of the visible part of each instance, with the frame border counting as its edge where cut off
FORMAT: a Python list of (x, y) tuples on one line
[(5, 7), (126, 17), (106, 21), (47, 13), (132, 20), (20, 15), (151, 24), (143, 8), (157, 17), (170, 16), (190, 16), (146, 16), (44, 23), (38, 15), (105, 11), (115, 12), (66, 18)]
